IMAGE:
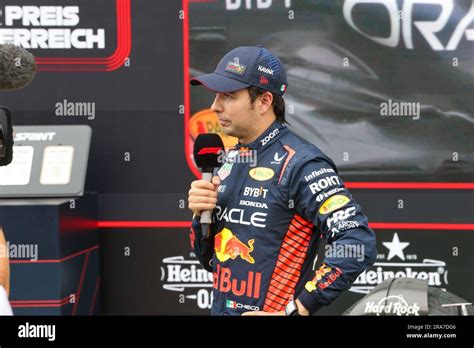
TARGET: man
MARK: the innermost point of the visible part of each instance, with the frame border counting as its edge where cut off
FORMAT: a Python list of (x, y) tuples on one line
[(5, 308), (269, 218)]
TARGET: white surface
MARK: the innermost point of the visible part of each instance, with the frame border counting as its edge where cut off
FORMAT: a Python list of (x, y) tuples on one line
[(57, 165), (5, 308), (18, 172)]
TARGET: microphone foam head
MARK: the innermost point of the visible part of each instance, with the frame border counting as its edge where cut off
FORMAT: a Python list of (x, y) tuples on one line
[(17, 67), (6, 137), (207, 149)]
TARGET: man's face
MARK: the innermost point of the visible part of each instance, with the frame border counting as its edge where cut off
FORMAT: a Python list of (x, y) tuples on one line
[(235, 113)]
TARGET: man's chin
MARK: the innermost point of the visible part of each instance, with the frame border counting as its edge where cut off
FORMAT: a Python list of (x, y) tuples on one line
[(228, 131)]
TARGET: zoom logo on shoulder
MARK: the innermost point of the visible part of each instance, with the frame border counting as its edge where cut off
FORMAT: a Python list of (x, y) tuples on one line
[(270, 136)]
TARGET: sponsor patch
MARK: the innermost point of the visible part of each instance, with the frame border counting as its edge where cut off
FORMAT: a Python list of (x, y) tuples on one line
[(235, 67), (239, 216), (224, 281), (237, 305), (340, 215), (333, 203), (253, 204), (316, 173), (270, 136), (342, 226), (224, 171), (323, 195), (255, 192), (228, 246), (324, 183), (265, 70), (261, 173), (277, 159), (324, 277)]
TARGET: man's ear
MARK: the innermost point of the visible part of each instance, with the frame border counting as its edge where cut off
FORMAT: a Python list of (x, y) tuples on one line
[(266, 100)]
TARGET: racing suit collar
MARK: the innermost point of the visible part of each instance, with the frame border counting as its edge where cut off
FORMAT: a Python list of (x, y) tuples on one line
[(269, 136)]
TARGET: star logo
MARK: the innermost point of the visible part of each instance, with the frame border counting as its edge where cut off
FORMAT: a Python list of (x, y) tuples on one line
[(396, 247)]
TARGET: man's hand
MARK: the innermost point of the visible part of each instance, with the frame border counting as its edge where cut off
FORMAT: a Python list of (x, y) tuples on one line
[(203, 195), (301, 310)]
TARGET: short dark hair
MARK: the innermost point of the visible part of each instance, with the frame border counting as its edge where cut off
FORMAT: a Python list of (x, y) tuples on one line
[(278, 102)]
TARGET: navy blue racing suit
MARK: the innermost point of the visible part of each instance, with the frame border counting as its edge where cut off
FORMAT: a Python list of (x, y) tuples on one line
[(279, 196)]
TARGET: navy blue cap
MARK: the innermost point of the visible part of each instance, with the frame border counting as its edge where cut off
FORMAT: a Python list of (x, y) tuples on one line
[(244, 67)]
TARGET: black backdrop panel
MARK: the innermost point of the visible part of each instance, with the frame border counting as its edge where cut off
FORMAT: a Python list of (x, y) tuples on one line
[(164, 276), (160, 275)]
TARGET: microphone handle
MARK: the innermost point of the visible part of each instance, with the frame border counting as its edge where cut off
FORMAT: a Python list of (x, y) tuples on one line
[(206, 215)]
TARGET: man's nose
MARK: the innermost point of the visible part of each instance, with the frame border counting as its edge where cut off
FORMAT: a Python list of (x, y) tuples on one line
[(216, 105)]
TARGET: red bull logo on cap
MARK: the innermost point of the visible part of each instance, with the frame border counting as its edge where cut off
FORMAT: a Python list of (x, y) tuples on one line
[(228, 246)]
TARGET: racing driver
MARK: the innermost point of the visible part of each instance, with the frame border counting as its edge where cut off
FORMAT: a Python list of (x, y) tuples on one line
[(270, 215)]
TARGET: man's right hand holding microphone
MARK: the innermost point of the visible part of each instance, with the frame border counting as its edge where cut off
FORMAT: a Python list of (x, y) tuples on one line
[(203, 195)]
